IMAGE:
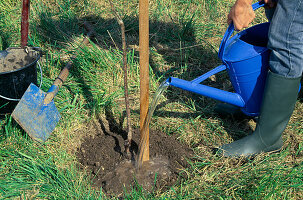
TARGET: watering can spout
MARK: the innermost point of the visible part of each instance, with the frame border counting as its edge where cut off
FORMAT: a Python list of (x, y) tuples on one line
[(214, 93)]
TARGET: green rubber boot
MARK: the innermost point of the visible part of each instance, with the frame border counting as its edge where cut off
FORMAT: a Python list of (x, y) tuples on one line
[(280, 95)]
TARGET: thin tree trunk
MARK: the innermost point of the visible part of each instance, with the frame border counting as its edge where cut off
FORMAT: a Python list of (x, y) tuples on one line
[(126, 96)]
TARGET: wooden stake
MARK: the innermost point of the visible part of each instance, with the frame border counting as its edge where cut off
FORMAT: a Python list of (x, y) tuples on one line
[(144, 74)]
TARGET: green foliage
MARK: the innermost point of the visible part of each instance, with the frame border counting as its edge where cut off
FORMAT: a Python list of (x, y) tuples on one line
[(28, 170), (184, 39)]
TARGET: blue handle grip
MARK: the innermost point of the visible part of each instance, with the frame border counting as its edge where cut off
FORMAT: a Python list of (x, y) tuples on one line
[(231, 28)]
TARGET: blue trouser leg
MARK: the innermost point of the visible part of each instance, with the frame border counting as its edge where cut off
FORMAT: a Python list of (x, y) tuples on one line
[(286, 39)]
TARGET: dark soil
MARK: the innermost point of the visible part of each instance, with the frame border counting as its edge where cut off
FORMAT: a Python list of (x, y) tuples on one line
[(102, 155), (15, 58)]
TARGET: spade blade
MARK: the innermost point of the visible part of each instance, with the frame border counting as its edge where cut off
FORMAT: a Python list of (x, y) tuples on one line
[(36, 118)]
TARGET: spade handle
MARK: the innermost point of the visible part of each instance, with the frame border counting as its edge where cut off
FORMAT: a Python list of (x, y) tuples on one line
[(51, 93)]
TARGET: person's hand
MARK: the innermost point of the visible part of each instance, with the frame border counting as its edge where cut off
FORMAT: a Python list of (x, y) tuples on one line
[(241, 14)]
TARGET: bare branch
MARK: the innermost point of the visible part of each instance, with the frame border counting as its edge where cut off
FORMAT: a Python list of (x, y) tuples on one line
[(126, 95)]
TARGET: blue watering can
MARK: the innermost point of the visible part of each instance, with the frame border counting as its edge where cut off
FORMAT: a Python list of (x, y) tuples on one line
[(246, 59)]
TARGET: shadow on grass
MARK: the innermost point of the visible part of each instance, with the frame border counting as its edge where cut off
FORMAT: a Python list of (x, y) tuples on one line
[(174, 51)]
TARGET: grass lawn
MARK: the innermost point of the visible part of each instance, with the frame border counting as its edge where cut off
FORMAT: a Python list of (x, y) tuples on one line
[(184, 39)]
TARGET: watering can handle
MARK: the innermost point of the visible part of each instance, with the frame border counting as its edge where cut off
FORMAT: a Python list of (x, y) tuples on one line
[(231, 28)]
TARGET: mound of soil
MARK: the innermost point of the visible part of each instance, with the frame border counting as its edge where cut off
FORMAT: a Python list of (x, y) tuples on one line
[(15, 58), (102, 155)]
